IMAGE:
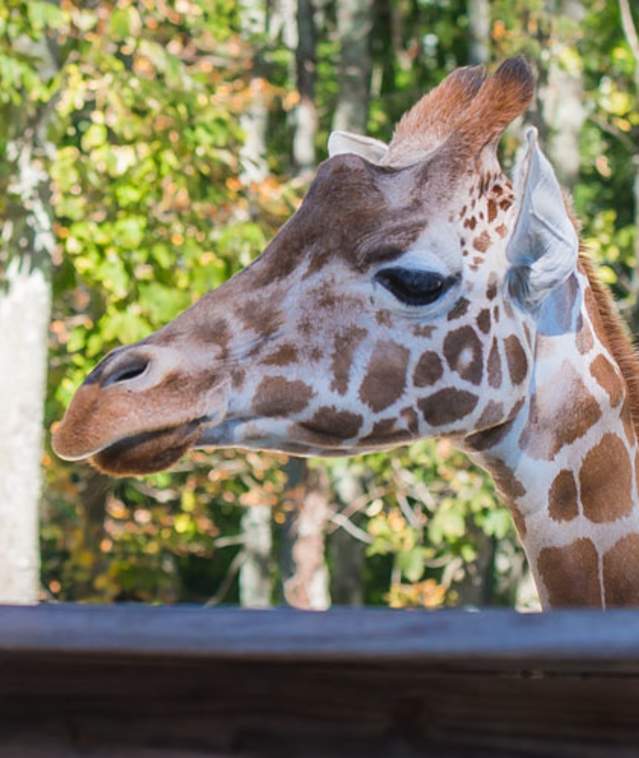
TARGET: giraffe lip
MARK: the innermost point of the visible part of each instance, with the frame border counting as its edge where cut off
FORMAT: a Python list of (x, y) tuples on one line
[(128, 441), (148, 452)]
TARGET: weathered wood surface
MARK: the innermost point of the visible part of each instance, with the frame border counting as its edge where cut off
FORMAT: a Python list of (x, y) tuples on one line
[(169, 682)]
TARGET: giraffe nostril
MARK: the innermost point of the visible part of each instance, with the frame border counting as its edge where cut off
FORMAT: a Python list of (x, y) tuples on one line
[(133, 368)]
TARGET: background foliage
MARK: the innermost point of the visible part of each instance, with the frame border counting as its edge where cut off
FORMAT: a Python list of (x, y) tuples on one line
[(143, 105)]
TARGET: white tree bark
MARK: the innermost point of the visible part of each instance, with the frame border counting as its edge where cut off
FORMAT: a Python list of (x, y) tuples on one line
[(306, 112), (305, 580), (563, 107), (255, 573), (354, 23), (479, 27), (254, 120), (27, 243), (24, 317)]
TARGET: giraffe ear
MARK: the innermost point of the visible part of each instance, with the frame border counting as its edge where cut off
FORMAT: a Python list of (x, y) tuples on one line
[(544, 246), (366, 147)]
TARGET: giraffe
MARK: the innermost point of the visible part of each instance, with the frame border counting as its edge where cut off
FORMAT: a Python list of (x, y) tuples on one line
[(416, 292)]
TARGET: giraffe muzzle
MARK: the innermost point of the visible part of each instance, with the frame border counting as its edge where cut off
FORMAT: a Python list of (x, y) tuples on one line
[(139, 410)]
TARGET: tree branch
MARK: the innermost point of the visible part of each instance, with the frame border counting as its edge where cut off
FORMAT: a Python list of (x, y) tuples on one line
[(236, 565), (629, 29), (349, 526)]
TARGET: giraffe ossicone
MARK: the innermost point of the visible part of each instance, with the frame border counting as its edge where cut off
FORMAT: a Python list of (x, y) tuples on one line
[(416, 292)]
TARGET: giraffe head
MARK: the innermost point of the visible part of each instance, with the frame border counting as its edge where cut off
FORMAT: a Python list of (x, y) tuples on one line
[(397, 303)]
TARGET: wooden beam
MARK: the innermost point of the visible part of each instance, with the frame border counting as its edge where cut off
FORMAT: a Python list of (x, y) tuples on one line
[(163, 682), (340, 634)]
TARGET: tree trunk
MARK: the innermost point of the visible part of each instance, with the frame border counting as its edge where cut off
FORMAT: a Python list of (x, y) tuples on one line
[(254, 120), (354, 24), (632, 38), (562, 99), (304, 571), (479, 28), (25, 300), (347, 552), (255, 579), (306, 113)]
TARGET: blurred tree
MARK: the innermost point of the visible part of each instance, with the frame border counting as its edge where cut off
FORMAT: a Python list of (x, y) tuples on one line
[(354, 23), (29, 69), (306, 112), (562, 95), (632, 39), (479, 28), (255, 583)]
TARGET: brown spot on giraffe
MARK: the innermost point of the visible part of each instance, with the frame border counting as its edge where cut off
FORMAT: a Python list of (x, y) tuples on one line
[(607, 378), (516, 359), (459, 309), (447, 406), (502, 230), (463, 351), (571, 574), (494, 365), (605, 480), (282, 356), (492, 414), (562, 498), (492, 210), (276, 396), (470, 223), (424, 331), (384, 432), (381, 428), (509, 487), (491, 289), (385, 378), (483, 320), (553, 423), (346, 342), (384, 318), (329, 423), (584, 339), (482, 243), (261, 316), (621, 572), (411, 419), (428, 370), (492, 435)]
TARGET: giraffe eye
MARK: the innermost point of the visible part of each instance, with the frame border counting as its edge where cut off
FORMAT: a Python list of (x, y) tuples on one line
[(414, 287)]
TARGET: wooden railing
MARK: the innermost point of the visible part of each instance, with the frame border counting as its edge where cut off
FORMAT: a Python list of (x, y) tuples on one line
[(183, 681)]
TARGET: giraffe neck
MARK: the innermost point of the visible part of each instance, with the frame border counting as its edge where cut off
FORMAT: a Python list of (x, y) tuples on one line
[(566, 462)]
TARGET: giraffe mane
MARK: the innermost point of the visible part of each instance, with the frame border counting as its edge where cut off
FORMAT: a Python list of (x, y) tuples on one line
[(618, 335), (620, 341)]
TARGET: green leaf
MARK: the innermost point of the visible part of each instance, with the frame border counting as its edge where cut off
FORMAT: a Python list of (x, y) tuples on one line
[(411, 564)]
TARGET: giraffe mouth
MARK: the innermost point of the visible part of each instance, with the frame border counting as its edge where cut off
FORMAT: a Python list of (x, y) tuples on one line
[(148, 452)]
